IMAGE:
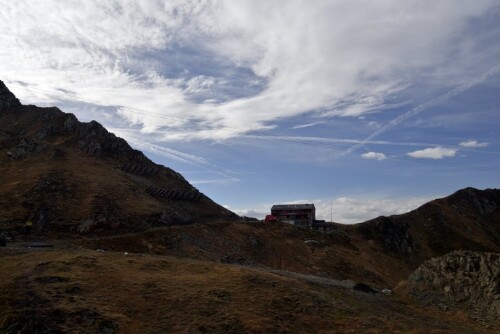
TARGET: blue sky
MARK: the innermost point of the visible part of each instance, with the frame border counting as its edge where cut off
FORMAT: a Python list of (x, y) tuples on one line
[(361, 107)]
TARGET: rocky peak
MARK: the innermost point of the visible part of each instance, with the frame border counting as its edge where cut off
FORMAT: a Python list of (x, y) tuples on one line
[(51, 122), (7, 99), (482, 202)]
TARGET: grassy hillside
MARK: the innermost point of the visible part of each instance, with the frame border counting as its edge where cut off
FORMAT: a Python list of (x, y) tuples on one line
[(73, 177), (382, 252), (90, 292)]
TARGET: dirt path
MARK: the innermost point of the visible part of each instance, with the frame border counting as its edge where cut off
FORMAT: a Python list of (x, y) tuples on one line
[(19, 246), (303, 277)]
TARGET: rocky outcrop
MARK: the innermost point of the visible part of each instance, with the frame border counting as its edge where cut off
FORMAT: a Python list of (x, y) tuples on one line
[(464, 280), (25, 147), (393, 236), (7, 99), (96, 140)]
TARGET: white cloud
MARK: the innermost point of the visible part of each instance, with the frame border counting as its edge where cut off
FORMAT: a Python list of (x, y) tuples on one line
[(199, 84), (473, 144), (154, 55), (374, 155), (254, 213), (348, 210), (433, 153), (224, 176)]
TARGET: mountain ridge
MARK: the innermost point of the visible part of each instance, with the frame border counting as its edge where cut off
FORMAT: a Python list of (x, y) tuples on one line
[(476, 222), (71, 176), (77, 180), (382, 251)]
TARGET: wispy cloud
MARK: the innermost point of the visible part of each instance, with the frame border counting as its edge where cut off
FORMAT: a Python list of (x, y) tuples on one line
[(218, 181), (333, 140), (433, 153), (422, 107), (453, 120), (473, 144), (225, 176), (373, 155), (168, 153), (302, 126), (215, 70), (374, 125)]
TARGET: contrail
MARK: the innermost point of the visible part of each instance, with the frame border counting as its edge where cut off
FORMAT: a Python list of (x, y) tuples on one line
[(180, 156), (401, 118)]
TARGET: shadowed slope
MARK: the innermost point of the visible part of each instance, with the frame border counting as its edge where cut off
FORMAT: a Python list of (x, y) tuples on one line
[(92, 292), (77, 177), (381, 252)]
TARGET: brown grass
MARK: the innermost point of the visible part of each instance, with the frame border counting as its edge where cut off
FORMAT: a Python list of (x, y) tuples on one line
[(90, 292), (275, 245)]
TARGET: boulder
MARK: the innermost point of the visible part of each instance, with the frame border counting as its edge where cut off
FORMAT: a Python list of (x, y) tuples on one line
[(464, 280)]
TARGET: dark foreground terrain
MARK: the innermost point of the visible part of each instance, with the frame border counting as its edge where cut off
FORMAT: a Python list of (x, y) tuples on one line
[(75, 290)]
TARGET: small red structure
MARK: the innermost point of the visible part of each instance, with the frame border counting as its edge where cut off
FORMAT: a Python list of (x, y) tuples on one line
[(271, 218)]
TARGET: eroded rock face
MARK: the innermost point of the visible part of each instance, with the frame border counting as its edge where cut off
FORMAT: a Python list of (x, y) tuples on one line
[(25, 147), (7, 99), (95, 140), (393, 236), (461, 279)]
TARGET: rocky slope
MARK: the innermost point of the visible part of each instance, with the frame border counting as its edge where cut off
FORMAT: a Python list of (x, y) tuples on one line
[(72, 177), (465, 280), (380, 252), (469, 219)]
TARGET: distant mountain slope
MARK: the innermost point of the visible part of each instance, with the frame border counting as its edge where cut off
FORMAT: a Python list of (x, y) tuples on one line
[(381, 252), (75, 177), (396, 245), (468, 219)]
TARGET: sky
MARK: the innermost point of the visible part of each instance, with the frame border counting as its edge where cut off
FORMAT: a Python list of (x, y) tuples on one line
[(364, 108)]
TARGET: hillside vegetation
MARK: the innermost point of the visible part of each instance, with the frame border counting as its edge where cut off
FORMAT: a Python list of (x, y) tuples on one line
[(91, 292), (137, 249)]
